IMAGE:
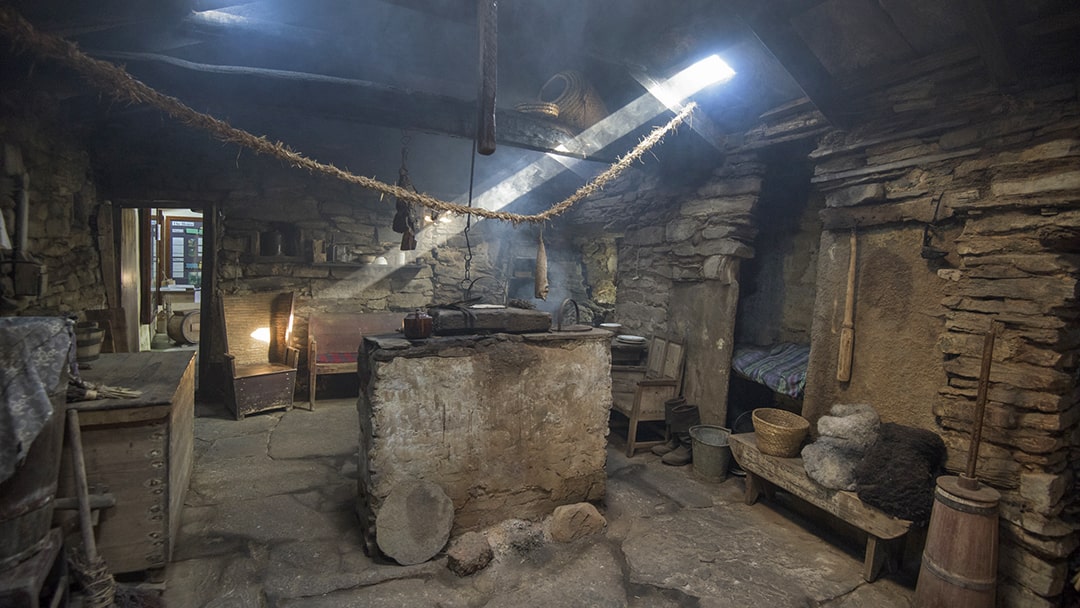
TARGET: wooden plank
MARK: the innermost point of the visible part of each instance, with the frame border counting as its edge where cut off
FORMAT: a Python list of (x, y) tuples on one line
[(107, 247), (128, 461), (843, 218), (181, 450), (788, 473), (127, 338), (282, 93), (156, 374), (784, 43)]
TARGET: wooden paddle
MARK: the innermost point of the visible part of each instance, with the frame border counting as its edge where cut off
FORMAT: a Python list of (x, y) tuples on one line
[(847, 332)]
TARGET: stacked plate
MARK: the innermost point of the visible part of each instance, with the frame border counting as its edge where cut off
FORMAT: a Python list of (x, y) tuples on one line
[(634, 340)]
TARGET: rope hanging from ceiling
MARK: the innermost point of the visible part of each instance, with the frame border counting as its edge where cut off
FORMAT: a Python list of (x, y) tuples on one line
[(115, 81)]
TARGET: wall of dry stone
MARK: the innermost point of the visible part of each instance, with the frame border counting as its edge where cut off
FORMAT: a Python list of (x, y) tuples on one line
[(997, 177), (679, 251), (64, 215)]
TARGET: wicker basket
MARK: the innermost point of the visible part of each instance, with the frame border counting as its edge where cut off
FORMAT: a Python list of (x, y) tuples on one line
[(579, 103), (779, 432), (548, 110)]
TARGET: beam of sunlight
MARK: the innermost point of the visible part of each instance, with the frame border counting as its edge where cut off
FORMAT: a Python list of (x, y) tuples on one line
[(526, 176), (261, 334)]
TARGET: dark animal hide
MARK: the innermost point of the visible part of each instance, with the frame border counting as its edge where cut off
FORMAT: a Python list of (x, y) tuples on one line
[(898, 472)]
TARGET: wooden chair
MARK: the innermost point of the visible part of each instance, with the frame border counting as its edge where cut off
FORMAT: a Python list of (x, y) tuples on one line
[(262, 364), (334, 340), (660, 382)]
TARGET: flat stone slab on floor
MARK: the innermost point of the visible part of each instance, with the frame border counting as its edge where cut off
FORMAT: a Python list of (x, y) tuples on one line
[(278, 530), (335, 422)]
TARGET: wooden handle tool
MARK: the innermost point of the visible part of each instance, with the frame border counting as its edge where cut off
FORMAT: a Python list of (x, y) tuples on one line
[(847, 332), (487, 26)]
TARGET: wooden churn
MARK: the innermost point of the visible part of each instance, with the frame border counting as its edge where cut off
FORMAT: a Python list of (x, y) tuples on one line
[(959, 563)]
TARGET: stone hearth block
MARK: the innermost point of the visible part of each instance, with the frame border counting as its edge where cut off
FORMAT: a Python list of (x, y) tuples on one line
[(510, 426), (414, 523), (510, 320)]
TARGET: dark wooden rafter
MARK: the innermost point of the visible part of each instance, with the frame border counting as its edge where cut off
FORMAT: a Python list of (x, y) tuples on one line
[(487, 20), (996, 39), (336, 98), (779, 37)]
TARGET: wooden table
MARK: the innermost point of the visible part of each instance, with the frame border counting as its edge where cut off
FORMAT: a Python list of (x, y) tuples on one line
[(139, 450), (883, 532)]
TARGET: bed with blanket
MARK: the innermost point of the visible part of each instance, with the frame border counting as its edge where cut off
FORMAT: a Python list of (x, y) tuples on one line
[(781, 367)]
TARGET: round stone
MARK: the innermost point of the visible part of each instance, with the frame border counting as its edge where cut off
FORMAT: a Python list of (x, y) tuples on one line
[(414, 522)]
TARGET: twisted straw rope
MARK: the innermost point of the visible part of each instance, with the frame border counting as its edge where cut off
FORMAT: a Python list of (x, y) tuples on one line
[(122, 86)]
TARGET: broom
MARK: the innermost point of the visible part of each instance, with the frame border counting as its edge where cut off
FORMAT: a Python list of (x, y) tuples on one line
[(90, 569)]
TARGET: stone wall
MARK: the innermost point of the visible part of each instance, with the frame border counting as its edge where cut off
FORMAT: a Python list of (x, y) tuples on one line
[(678, 261), (64, 215), (996, 176)]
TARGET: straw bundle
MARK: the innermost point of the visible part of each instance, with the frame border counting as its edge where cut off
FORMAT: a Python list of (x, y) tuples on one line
[(548, 110), (579, 103)]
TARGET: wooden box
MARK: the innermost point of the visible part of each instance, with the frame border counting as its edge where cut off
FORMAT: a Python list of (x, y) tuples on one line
[(140, 450), (262, 391)]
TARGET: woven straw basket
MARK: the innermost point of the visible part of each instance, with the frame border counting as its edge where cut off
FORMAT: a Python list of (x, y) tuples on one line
[(579, 103), (779, 432)]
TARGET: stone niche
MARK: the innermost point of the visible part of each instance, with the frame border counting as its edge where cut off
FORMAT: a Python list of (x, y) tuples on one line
[(510, 426)]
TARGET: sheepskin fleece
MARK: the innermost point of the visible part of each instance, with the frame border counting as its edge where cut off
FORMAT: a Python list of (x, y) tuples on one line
[(897, 473), (829, 462), (856, 423)]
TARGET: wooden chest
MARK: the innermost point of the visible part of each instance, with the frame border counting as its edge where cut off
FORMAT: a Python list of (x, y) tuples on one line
[(140, 450)]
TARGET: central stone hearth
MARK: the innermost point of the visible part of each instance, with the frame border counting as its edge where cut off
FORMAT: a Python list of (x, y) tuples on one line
[(510, 426)]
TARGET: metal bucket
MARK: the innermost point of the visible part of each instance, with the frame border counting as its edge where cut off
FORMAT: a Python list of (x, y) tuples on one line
[(712, 454), (27, 497)]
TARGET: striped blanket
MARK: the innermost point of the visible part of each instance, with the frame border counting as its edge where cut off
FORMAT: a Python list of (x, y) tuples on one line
[(781, 367)]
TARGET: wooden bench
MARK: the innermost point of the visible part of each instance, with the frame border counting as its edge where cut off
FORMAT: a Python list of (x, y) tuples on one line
[(884, 533), (334, 340)]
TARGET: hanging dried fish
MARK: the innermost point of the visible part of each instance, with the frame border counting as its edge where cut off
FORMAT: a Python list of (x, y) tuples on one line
[(540, 288)]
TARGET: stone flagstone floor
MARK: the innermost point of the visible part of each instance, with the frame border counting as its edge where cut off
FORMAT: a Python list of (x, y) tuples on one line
[(269, 523)]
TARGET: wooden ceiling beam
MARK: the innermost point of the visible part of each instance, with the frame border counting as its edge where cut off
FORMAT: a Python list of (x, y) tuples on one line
[(335, 98), (996, 40), (779, 37)]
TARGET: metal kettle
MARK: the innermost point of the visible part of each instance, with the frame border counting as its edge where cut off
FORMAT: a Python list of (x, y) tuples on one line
[(418, 325)]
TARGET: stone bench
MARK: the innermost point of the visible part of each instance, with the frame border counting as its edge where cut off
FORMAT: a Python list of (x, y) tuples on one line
[(884, 533)]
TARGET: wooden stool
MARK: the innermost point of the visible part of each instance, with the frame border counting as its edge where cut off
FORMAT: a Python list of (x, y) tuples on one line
[(40, 581)]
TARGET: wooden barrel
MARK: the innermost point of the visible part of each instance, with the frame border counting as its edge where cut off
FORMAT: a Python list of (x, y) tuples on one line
[(959, 563), (88, 339), (183, 327), (27, 497)]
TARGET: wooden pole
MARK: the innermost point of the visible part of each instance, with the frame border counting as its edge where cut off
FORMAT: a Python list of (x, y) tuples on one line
[(82, 489), (980, 399), (847, 332)]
